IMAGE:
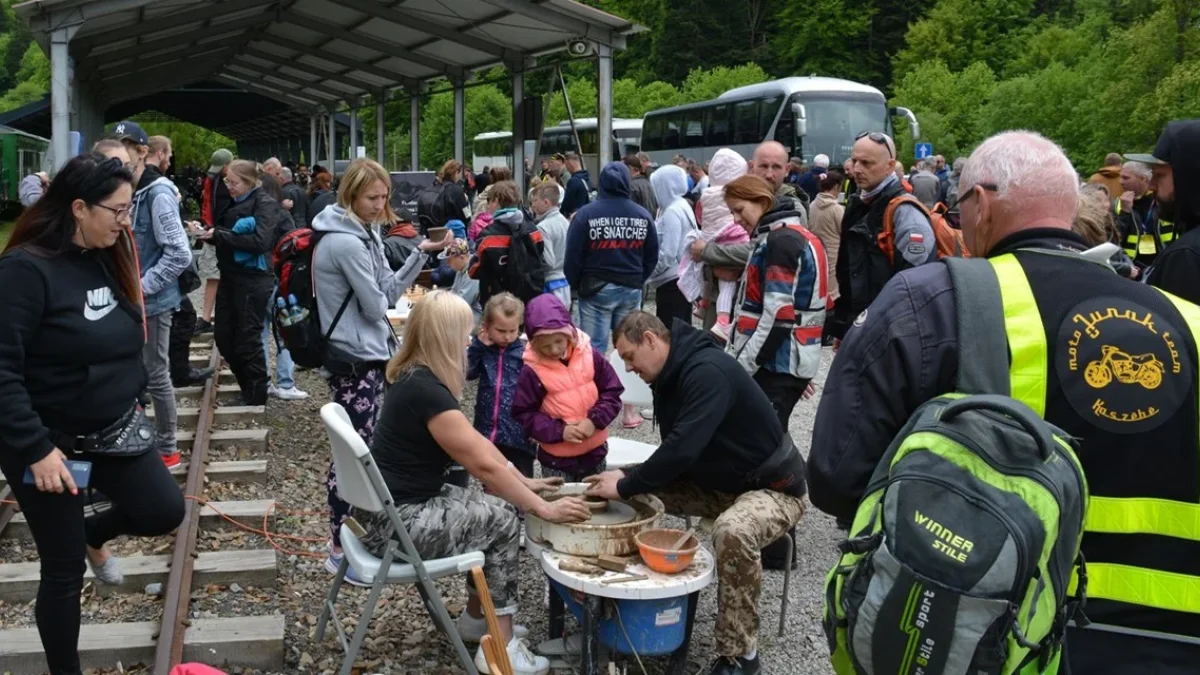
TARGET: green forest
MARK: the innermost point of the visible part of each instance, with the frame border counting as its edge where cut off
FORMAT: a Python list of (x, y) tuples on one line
[(1097, 76)]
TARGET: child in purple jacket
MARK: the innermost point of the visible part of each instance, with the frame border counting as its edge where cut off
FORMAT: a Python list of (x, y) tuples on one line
[(494, 358), (567, 393)]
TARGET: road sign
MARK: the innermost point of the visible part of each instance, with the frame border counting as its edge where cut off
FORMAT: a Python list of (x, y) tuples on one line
[(924, 150)]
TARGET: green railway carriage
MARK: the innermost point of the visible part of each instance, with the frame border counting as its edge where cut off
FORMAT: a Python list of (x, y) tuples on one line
[(20, 155)]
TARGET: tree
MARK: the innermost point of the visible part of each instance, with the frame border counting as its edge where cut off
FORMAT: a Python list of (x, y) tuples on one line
[(33, 79), (960, 32), (949, 105), (703, 85), (192, 145), (825, 38)]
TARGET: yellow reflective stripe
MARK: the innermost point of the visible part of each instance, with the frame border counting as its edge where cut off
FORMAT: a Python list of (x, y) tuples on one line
[(1143, 515), (1026, 337), (1140, 586)]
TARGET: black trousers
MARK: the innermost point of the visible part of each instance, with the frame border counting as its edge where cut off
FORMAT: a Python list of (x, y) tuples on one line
[(237, 328), (783, 391), (520, 459), (183, 325), (146, 502), (669, 304)]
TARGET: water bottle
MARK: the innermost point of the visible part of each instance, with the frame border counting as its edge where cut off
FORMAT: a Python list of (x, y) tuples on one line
[(295, 311), (282, 312)]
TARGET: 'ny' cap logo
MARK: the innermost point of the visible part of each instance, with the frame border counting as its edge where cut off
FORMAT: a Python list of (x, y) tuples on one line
[(120, 128)]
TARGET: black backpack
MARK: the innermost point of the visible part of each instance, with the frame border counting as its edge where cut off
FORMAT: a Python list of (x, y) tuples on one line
[(432, 207), (301, 331)]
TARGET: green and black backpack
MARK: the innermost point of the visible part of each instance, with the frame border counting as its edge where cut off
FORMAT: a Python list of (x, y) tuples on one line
[(967, 539)]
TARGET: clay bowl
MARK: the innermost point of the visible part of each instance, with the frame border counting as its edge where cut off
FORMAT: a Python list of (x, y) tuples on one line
[(595, 504), (654, 547)]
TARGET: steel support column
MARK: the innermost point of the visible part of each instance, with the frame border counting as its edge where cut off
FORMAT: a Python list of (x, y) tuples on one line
[(518, 133), (460, 122), (604, 104), (414, 113), (60, 93), (352, 153), (312, 140), (380, 136), (332, 142)]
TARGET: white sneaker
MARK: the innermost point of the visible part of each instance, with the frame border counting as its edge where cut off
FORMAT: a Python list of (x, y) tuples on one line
[(524, 662), (472, 630), (289, 394), (272, 391), (647, 413)]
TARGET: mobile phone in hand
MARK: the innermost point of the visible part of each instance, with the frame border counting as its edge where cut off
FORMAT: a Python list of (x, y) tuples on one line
[(81, 473)]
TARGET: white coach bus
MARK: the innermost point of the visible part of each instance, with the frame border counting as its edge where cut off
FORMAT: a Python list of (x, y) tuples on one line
[(808, 115)]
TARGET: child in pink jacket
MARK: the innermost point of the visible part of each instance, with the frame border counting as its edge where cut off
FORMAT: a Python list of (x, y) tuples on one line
[(567, 393), (717, 226)]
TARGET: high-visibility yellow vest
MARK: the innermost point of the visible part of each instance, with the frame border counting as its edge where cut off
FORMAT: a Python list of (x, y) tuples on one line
[(1028, 372), (1164, 235)]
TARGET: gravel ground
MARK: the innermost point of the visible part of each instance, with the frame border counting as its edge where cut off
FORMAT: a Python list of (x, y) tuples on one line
[(402, 639)]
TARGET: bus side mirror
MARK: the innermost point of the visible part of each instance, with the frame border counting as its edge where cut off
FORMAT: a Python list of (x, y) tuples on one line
[(801, 116), (914, 127)]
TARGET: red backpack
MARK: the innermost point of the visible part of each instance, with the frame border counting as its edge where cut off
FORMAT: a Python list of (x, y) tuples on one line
[(298, 323), (949, 240)]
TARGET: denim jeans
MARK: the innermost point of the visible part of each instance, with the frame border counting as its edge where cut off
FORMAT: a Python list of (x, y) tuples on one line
[(600, 313), (162, 391), (285, 370)]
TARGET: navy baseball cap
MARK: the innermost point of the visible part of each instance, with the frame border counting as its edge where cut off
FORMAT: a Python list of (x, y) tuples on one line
[(131, 130)]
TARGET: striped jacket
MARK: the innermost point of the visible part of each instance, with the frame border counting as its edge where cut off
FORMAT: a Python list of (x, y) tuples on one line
[(782, 299)]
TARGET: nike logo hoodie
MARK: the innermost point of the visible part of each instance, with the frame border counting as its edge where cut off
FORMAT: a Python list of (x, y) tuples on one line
[(70, 349)]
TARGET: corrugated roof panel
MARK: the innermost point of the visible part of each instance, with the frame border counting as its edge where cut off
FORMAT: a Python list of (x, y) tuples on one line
[(450, 13), (454, 53), (390, 32), (408, 68), (165, 7)]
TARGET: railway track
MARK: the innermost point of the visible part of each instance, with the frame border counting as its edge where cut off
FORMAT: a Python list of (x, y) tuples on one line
[(206, 428)]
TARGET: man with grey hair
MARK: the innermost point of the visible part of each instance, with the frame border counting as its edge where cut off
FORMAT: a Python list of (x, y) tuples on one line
[(274, 167), (1143, 234), (296, 195), (1062, 311), (925, 185), (810, 181)]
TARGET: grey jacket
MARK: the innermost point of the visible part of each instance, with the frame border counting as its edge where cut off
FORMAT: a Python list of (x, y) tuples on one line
[(553, 225), (673, 224), (643, 194), (350, 258), (30, 190)]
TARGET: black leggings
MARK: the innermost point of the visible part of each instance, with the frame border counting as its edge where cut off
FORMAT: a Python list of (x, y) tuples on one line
[(237, 329), (783, 391), (146, 502), (183, 324), (670, 304)]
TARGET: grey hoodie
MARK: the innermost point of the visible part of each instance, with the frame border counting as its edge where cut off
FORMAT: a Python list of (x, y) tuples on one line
[(675, 220), (350, 258), (553, 225)]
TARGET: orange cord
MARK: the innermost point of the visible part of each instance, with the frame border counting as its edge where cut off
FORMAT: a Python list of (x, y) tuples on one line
[(265, 531)]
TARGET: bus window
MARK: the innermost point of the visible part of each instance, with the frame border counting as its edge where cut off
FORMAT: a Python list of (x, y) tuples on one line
[(770, 109), (672, 139), (652, 133), (588, 142), (745, 123), (718, 125), (693, 128)]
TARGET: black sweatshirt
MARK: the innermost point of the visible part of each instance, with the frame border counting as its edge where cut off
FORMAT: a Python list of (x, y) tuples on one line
[(1177, 269), (718, 427), (70, 349)]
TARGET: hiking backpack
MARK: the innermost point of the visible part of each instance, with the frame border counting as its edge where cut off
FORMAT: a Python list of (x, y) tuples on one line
[(294, 268), (949, 240), (966, 541)]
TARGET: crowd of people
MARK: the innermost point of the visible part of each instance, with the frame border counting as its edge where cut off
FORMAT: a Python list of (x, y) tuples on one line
[(752, 265)]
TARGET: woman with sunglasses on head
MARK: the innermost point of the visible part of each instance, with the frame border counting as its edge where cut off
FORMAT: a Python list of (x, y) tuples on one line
[(245, 239), (70, 372)]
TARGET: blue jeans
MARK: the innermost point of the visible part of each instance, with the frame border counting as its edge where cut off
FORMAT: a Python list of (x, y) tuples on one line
[(599, 314), (285, 370)]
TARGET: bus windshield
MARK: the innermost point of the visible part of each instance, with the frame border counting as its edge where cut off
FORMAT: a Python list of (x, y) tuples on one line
[(833, 123)]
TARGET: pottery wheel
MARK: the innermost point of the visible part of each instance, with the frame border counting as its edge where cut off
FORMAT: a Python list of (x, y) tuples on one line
[(617, 513)]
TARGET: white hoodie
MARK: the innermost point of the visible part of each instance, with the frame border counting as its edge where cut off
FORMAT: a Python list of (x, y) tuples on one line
[(726, 166), (675, 221)]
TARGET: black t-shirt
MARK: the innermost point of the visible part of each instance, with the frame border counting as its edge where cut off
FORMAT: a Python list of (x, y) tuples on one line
[(411, 461)]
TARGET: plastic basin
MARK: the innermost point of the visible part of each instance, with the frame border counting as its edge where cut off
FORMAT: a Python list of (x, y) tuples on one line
[(654, 546)]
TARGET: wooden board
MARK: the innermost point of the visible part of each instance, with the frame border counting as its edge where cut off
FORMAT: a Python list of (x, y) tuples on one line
[(248, 512), (225, 392), (229, 414), (19, 581), (246, 642), (226, 439), (252, 471)]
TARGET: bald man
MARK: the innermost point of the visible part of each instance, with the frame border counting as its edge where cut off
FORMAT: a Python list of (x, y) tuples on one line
[(1137, 443), (863, 268)]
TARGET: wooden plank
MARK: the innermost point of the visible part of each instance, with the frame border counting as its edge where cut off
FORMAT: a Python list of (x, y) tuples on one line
[(224, 439), (249, 471), (226, 377), (248, 513), (225, 392), (230, 414), (247, 642), (19, 581)]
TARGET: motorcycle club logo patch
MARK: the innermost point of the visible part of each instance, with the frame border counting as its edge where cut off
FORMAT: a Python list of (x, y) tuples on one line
[(1121, 366)]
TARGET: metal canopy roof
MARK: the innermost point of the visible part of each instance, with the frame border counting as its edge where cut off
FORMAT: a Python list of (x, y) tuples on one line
[(308, 53), (240, 115)]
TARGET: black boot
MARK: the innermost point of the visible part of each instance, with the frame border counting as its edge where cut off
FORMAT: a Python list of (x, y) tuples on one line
[(195, 376), (203, 326), (736, 666)]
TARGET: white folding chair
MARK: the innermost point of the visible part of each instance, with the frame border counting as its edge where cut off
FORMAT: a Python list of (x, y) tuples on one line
[(361, 485), (623, 452)]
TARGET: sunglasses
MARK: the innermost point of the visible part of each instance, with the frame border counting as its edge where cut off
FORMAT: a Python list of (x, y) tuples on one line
[(880, 138)]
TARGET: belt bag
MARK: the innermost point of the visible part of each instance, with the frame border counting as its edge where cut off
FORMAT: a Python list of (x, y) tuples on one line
[(129, 436), (783, 472)]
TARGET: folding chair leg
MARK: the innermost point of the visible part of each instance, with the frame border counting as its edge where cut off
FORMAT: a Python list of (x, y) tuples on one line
[(331, 600), (364, 621), (787, 580), (436, 608)]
